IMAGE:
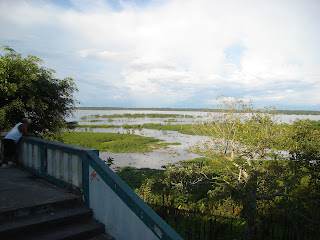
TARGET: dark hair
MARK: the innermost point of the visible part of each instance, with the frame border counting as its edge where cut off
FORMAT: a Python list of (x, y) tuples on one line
[(25, 120)]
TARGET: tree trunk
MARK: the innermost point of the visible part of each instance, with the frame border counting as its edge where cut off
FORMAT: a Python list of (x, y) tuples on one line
[(249, 232), (249, 209)]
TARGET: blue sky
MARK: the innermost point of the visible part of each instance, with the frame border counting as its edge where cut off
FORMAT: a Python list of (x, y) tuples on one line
[(174, 53)]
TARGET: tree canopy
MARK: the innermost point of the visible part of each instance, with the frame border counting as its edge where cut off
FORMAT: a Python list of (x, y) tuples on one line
[(262, 160), (29, 89), (265, 168)]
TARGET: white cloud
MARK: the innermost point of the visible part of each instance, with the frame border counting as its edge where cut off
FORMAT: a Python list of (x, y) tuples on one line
[(175, 52), (105, 55)]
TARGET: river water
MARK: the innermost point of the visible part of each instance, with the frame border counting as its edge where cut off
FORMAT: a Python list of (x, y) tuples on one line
[(157, 158)]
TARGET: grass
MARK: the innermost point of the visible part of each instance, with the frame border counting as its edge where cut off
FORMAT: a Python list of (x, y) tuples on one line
[(113, 142), (190, 129)]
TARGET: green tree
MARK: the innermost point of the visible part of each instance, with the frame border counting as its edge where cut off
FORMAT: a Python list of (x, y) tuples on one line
[(28, 89), (251, 166)]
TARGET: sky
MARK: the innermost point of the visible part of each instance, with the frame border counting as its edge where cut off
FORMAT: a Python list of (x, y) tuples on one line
[(174, 53)]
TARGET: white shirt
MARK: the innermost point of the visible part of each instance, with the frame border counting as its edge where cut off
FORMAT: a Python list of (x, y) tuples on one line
[(14, 134)]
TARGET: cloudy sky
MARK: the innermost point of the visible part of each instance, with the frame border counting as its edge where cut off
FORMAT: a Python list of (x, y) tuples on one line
[(174, 53)]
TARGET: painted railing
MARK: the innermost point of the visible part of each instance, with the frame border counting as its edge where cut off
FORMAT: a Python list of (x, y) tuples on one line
[(113, 203)]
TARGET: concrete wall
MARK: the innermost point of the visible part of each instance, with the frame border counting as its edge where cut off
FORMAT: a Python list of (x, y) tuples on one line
[(113, 203), (120, 221)]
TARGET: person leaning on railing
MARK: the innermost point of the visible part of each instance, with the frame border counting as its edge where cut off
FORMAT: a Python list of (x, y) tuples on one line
[(11, 140)]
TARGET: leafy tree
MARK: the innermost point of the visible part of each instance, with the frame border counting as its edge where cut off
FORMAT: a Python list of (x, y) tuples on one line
[(251, 166), (268, 169), (28, 89)]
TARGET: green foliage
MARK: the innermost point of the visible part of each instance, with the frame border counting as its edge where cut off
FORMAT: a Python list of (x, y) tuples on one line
[(98, 126), (255, 170), (111, 142), (315, 125), (303, 141), (28, 89), (267, 170), (183, 202), (185, 206), (180, 183), (181, 128), (135, 176)]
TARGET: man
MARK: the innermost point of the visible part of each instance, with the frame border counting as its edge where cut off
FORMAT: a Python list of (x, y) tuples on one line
[(11, 140)]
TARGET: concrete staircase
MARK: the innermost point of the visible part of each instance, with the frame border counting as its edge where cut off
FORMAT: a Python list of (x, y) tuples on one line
[(31, 208)]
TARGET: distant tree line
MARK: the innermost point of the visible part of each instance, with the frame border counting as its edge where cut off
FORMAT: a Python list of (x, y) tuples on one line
[(285, 112)]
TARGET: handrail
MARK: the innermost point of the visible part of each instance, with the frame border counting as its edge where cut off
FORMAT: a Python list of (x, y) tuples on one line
[(114, 203)]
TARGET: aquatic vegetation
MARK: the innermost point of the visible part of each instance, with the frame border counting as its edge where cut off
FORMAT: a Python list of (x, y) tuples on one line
[(190, 129), (137, 115), (206, 197), (113, 142)]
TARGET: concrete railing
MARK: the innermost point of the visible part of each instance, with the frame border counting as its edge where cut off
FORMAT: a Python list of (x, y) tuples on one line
[(113, 203)]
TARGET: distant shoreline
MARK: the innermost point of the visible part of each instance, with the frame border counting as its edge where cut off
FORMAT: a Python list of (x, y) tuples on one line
[(287, 112), (148, 109)]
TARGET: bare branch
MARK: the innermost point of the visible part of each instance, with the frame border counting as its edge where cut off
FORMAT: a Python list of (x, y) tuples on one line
[(244, 173), (240, 172), (249, 162)]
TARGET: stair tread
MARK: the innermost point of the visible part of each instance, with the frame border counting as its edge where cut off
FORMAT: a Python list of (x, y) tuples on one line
[(22, 189), (26, 204), (81, 229), (101, 237), (39, 203), (51, 215)]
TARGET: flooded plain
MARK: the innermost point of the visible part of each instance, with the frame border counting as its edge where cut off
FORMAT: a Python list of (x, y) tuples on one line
[(96, 117), (161, 157), (157, 158)]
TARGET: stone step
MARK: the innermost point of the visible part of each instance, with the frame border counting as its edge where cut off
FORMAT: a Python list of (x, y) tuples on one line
[(23, 194), (31, 208), (38, 207), (49, 217), (80, 229), (102, 236)]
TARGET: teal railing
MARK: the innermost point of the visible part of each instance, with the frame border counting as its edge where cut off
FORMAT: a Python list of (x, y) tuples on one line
[(113, 203)]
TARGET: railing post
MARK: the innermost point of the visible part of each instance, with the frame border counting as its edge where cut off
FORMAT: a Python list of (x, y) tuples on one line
[(85, 178), (43, 159), (2, 148)]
